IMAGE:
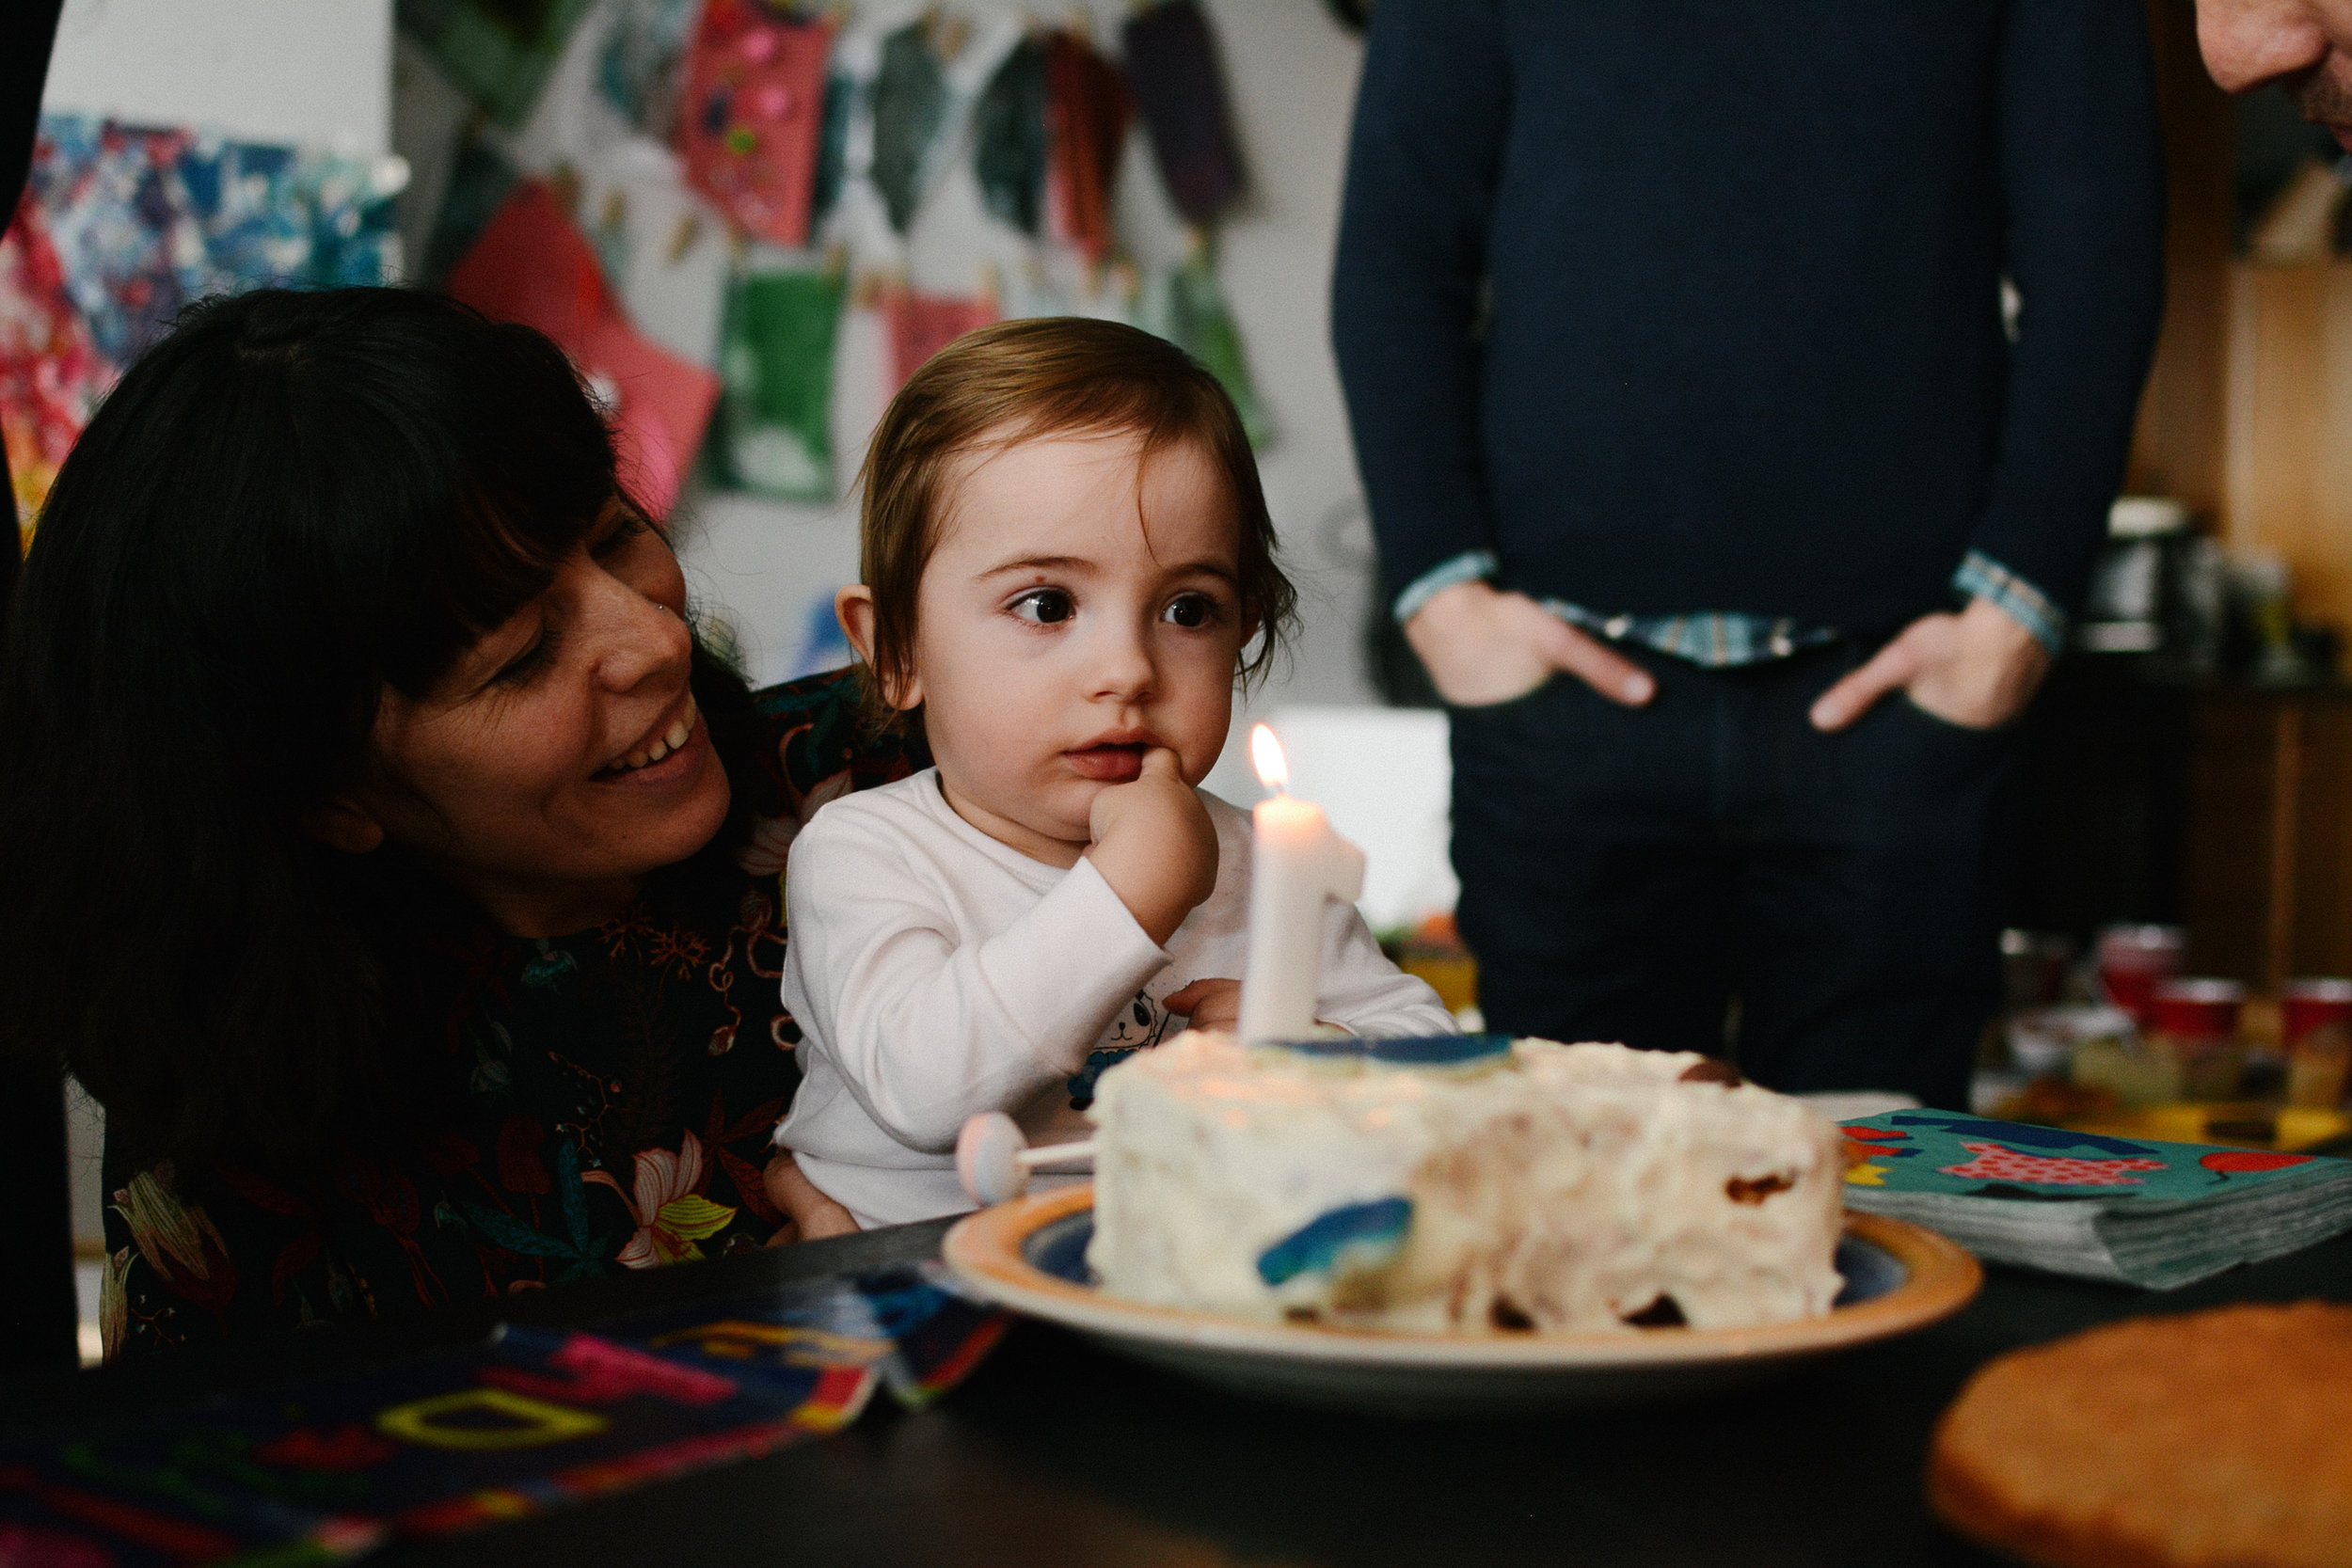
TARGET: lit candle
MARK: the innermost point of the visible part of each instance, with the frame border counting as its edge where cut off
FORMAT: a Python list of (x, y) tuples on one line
[(1296, 862)]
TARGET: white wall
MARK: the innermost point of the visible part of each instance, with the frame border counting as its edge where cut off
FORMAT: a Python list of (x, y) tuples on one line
[(315, 71)]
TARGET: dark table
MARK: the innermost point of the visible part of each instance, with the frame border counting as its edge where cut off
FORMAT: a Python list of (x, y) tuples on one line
[(1056, 1453)]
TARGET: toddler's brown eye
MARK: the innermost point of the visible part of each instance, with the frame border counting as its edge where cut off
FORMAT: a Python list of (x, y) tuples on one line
[(1190, 610), (1043, 606)]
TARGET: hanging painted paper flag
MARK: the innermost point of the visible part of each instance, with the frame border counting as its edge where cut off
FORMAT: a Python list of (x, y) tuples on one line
[(644, 67), (910, 105), (499, 51), (751, 117), (480, 178), (533, 266), (832, 146), (1180, 91), (1187, 308), (1009, 137), (775, 419), (1086, 118), (922, 323)]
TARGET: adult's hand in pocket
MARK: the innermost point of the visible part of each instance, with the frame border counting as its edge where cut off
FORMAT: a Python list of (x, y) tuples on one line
[(1978, 669), (1483, 645)]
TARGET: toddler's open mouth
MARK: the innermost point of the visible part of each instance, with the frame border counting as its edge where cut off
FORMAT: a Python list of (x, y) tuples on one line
[(1109, 762)]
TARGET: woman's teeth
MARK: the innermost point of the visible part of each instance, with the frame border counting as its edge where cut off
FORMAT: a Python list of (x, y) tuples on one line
[(670, 741)]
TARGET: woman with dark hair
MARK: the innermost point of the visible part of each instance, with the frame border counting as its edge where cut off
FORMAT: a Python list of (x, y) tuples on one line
[(383, 851)]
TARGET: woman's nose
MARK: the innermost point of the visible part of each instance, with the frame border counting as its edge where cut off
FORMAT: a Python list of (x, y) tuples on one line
[(638, 637), (2249, 42)]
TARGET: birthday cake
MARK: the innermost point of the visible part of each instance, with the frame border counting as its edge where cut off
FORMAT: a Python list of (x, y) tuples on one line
[(1464, 1183)]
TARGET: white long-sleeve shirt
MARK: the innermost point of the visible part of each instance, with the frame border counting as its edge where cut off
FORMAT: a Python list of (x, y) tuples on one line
[(936, 972)]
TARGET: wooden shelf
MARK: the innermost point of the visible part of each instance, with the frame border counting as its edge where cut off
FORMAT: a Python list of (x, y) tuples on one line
[(2248, 414), (2267, 885)]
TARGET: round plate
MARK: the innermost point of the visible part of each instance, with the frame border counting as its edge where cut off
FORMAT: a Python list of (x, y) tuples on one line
[(1029, 1255)]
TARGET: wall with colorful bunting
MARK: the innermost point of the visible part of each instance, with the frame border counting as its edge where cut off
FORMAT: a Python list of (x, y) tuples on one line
[(750, 219), (932, 169), (803, 203)]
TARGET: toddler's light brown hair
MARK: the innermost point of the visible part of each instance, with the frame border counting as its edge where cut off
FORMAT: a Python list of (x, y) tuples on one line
[(1020, 381)]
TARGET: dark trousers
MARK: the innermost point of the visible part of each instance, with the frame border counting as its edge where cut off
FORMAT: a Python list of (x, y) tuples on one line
[(1711, 873)]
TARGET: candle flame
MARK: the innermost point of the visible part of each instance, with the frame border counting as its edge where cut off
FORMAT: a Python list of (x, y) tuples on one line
[(1266, 753)]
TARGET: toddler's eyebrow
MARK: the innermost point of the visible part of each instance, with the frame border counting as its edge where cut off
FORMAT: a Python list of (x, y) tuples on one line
[(1080, 563), (1041, 563)]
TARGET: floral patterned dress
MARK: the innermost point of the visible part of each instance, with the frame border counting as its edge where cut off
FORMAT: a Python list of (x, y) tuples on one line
[(621, 1087)]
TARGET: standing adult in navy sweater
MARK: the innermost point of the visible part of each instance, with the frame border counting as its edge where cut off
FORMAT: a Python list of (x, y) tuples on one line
[(1723, 500)]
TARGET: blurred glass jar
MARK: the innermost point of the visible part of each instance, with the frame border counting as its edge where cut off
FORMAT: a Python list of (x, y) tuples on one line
[(2044, 1041), (2190, 1049), (2315, 1029), (2034, 967), (2196, 1023)]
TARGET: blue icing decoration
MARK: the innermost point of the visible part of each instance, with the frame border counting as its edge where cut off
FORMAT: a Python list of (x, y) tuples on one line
[(1357, 1235), (1403, 1050), (1438, 1050), (1338, 1046)]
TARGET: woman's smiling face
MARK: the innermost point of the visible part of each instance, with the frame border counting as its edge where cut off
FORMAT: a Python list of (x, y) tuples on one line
[(561, 757)]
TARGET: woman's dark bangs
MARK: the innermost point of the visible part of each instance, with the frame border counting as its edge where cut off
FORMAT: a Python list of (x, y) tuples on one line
[(526, 481)]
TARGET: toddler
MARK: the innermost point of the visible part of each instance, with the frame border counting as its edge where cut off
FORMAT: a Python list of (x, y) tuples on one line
[(1066, 555)]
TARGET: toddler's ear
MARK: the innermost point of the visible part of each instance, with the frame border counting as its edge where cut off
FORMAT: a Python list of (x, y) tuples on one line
[(853, 607)]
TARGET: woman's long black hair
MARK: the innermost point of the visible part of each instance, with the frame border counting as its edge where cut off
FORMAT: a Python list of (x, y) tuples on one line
[(294, 502)]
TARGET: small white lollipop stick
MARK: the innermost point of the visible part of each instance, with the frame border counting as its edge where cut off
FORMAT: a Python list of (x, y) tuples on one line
[(994, 1157)]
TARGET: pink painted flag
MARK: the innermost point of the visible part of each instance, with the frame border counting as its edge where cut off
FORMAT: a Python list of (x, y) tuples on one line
[(751, 117), (921, 325), (531, 264)]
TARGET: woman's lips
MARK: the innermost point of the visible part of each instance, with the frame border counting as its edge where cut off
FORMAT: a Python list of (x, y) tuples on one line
[(676, 762), (1120, 764)]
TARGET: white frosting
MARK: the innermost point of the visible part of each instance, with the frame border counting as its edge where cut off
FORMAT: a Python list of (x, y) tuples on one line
[(1563, 1188)]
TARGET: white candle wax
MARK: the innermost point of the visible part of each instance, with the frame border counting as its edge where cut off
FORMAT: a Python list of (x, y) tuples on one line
[(1296, 861)]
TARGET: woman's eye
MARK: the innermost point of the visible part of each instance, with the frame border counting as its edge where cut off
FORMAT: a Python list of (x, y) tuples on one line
[(520, 669), (626, 528), (1044, 606), (1190, 610)]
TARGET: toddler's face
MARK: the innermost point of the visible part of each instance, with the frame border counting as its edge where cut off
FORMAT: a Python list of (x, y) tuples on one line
[(1080, 608)]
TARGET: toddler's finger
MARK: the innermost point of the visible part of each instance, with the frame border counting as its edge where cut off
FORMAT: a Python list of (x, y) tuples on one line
[(1189, 999), (1160, 762)]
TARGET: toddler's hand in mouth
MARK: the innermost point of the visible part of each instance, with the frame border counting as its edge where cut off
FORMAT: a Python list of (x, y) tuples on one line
[(1154, 844)]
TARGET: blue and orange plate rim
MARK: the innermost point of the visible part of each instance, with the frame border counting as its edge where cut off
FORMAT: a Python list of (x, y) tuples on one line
[(988, 1250)]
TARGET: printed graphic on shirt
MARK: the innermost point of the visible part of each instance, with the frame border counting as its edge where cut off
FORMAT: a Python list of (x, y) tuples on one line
[(1138, 1026)]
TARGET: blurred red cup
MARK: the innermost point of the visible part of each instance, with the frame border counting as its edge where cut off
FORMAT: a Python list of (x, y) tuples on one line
[(2310, 1005), (2315, 1026), (2198, 1010), (2133, 960)]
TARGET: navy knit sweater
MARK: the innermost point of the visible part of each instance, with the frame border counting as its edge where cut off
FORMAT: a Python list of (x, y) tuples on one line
[(1694, 305)]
